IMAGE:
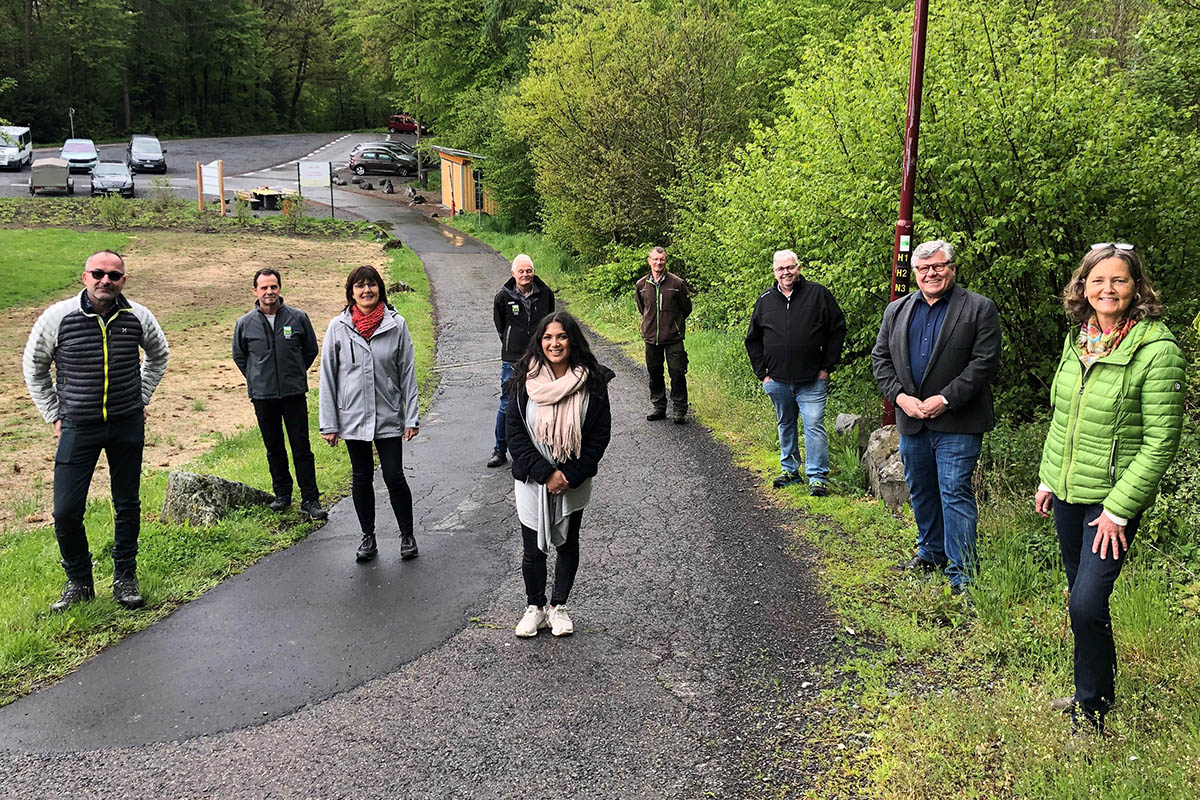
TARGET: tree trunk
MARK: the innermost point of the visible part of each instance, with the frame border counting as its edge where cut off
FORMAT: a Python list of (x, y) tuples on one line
[(125, 98)]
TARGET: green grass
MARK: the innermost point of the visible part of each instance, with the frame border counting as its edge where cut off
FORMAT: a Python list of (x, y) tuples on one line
[(41, 262), (952, 699), (175, 563)]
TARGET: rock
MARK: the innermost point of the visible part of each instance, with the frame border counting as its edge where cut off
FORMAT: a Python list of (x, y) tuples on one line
[(400, 286), (885, 470), (356, 180), (393, 244), (856, 425), (206, 499)]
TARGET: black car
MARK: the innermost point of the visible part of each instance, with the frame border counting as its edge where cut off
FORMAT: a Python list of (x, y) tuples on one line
[(399, 148), (145, 154), (110, 177), (380, 160)]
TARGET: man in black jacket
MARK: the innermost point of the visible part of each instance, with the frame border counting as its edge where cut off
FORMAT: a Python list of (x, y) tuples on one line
[(96, 401), (794, 341), (274, 345), (518, 308), (937, 352)]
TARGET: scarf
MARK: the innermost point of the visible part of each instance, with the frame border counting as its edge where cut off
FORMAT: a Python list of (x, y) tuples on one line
[(1095, 344), (559, 401), (367, 323)]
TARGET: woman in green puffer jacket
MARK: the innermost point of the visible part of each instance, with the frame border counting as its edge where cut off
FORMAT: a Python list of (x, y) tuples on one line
[(1118, 411)]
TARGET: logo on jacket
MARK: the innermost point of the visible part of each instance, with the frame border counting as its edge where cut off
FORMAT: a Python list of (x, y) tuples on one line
[(287, 331), (515, 308)]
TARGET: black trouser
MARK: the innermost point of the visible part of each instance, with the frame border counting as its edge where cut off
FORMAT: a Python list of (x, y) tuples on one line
[(677, 362), (566, 564), (272, 416), (79, 448), (1090, 582), (362, 481)]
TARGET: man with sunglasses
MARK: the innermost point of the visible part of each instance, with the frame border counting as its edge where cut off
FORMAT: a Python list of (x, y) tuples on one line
[(273, 346), (937, 352), (96, 401)]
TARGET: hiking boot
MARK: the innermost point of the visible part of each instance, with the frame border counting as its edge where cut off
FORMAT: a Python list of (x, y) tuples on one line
[(367, 550), (917, 564), (280, 503), (560, 623), (126, 592), (408, 546), (785, 478), (818, 489), (656, 414), (532, 622), (1063, 704), (312, 509), (680, 420), (74, 592), (497, 460)]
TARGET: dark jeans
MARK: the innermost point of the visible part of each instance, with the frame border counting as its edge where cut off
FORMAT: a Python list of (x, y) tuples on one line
[(937, 468), (1090, 582), (677, 363), (506, 371), (566, 564), (272, 416), (362, 481), (79, 448)]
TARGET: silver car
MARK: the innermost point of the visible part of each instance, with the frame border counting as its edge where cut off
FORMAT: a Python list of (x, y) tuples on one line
[(80, 154)]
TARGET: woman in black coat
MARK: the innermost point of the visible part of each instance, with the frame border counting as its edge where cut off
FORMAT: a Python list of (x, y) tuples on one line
[(557, 424)]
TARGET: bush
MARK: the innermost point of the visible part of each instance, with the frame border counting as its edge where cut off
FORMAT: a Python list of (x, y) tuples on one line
[(113, 211), (619, 272)]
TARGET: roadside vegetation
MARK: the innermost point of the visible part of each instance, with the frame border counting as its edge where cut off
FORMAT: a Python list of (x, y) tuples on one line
[(938, 698), (175, 563)]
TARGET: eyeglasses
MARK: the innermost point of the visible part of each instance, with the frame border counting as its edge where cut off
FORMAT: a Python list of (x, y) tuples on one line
[(785, 267), (113, 275), (1119, 245), (939, 267)]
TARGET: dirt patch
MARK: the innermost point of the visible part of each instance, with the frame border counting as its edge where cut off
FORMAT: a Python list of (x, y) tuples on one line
[(197, 285)]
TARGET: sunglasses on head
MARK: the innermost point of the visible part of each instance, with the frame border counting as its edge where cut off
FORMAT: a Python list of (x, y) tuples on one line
[(1118, 245), (113, 275)]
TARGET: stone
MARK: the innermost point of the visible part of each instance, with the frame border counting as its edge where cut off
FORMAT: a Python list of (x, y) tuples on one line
[(858, 426), (206, 499), (885, 470), (400, 286)]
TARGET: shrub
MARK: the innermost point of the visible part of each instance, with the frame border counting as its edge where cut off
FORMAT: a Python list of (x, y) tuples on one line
[(113, 211)]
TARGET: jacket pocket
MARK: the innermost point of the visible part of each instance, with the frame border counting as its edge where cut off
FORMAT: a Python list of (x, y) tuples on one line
[(1112, 462)]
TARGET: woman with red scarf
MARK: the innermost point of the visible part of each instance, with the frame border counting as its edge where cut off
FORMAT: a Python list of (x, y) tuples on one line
[(1118, 412), (369, 397)]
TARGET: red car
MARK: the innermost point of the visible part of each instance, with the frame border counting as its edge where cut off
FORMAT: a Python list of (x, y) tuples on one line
[(403, 123)]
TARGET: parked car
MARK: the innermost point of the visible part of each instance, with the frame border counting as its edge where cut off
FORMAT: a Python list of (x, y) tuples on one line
[(80, 154), (145, 154), (112, 176), (51, 175), (381, 161), (400, 148), (403, 123), (16, 147)]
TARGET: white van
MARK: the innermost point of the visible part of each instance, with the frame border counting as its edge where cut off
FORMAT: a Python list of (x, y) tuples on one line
[(16, 147)]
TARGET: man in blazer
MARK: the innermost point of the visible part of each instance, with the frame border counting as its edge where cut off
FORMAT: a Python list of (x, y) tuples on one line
[(937, 352)]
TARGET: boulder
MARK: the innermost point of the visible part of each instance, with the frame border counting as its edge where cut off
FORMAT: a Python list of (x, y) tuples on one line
[(400, 286), (206, 499), (885, 470), (858, 426)]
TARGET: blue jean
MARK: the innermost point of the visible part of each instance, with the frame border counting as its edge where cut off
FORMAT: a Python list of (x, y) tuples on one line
[(937, 468), (1090, 582), (506, 371), (806, 400)]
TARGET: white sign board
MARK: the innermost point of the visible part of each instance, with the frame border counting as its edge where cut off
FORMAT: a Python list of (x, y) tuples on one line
[(209, 175), (314, 173)]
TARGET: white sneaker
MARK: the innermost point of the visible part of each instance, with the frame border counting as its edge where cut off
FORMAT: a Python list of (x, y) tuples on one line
[(533, 621), (560, 623)]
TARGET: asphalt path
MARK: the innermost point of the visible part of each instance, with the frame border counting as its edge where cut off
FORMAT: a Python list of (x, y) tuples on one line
[(697, 659)]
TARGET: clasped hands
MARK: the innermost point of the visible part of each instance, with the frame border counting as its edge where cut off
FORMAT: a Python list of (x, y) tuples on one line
[(928, 408), (557, 483)]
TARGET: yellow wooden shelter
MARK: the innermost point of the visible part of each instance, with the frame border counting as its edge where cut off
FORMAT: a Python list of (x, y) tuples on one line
[(462, 182)]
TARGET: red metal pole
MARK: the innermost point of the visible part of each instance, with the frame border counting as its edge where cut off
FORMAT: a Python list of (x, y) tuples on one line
[(902, 246)]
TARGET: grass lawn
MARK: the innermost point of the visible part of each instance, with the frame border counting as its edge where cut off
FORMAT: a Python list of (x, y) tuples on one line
[(939, 699), (175, 563), (47, 260)]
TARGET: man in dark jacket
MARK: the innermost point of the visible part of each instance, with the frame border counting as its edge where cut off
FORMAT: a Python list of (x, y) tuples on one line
[(96, 401), (664, 300), (274, 345), (518, 308), (937, 352), (794, 341)]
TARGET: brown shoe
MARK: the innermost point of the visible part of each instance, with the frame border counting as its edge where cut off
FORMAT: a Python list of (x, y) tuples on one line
[(1063, 704)]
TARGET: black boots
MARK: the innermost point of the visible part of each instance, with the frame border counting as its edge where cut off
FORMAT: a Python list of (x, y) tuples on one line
[(280, 503), (312, 509), (74, 592), (127, 593), (367, 550), (408, 546)]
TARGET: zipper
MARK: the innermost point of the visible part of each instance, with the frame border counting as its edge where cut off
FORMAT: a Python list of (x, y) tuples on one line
[(1072, 432), (1112, 462), (104, 350), (657, 316), (274, 350)]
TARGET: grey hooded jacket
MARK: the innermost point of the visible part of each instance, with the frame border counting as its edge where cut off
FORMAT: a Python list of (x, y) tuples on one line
[(368, 389)]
